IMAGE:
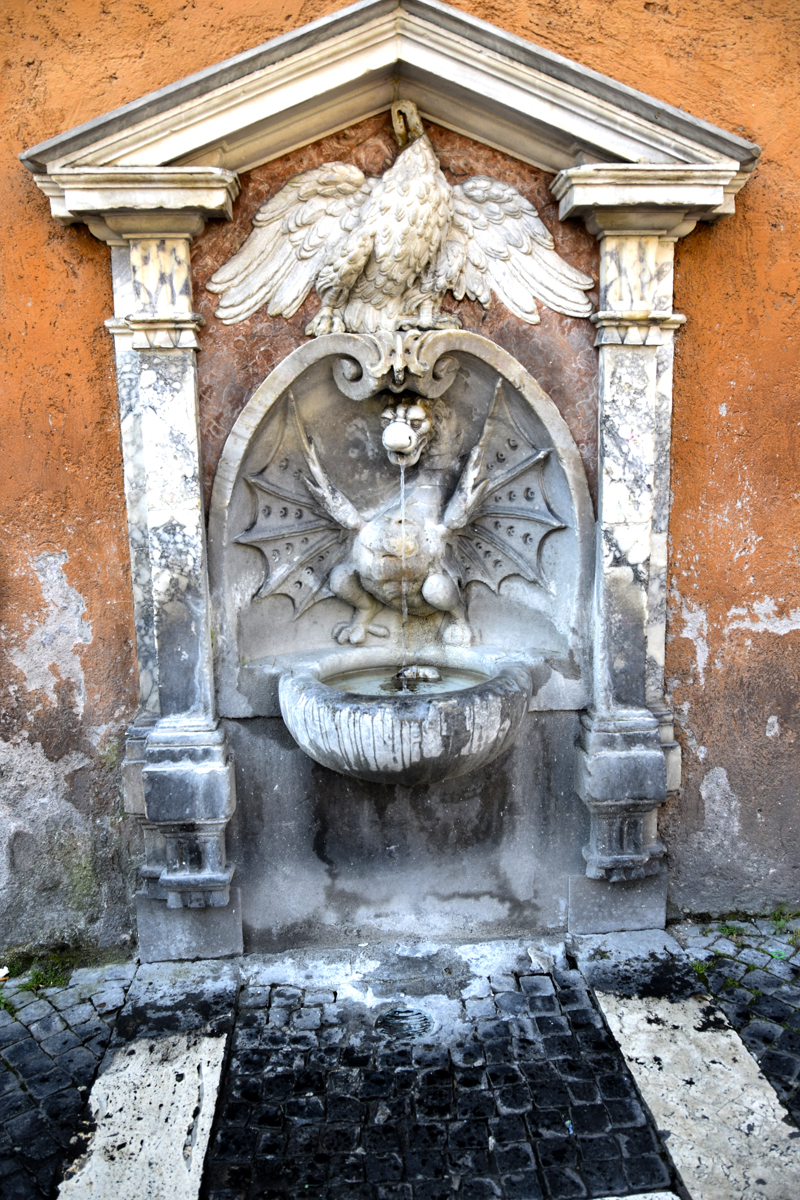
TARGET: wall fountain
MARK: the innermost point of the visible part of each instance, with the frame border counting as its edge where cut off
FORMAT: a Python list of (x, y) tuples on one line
[(401, 571), (399, 505)]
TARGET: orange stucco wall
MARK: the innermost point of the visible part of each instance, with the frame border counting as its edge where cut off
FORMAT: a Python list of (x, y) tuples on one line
[(733, 655)]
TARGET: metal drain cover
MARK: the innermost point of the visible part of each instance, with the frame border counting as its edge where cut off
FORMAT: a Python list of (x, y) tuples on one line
[(404, 1023)]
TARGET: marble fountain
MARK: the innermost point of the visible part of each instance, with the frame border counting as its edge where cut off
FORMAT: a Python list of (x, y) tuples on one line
[(405, 675)]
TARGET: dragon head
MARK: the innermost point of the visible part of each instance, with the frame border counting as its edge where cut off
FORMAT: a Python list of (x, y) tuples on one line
[(408, 427)]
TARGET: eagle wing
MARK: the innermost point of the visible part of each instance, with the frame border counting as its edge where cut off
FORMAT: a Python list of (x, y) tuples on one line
[(500, 512), (302, 523), (498, 243), (294, 233)]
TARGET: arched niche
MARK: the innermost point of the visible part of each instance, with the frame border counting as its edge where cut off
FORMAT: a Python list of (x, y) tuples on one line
[(256, 634)]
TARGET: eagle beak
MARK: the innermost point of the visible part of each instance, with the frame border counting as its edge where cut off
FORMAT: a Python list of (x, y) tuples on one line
[(406, 122)]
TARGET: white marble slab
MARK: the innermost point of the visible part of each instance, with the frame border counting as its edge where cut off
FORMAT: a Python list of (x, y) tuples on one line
[(725, 1125), (153, 1107)]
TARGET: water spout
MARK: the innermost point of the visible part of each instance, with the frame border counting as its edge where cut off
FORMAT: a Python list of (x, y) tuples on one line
[(403, 581)]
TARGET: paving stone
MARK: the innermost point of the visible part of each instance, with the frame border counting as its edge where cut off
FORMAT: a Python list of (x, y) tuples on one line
[(65, 998), (8, 1081), (754, 957), (312, 997), (286, 995), (111, 997), (89, 979), (510, 1002), (47, 1027), (254, 997), (784, 971), (95, 1027), (771, 1008), (80, 1063), (78, 1014), (15, 1103), (483, 1007), (37, 1011), (123, 972), (46, 1083), (21, 1051), (503, 983), (759, 1035), (11, 1034), (20, 999), (725, 946), (537, 985), (60, 1042), (307, 1018)]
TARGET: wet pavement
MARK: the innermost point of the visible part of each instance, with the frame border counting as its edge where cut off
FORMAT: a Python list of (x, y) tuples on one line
[(509, 1085), (393, 1072)]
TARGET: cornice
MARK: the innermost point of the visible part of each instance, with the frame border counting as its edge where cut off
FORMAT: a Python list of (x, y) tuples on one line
[(462, 72)]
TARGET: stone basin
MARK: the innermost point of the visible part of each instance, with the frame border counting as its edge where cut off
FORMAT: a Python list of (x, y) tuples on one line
[(406, 738)]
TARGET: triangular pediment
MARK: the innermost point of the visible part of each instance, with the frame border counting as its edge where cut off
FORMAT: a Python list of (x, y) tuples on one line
[(463, 74)]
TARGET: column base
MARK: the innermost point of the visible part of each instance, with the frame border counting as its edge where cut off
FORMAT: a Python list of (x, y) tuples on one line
[(189, 796), (168, 934), (621, 778)]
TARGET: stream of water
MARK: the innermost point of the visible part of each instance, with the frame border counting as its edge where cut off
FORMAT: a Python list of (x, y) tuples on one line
[(403, 582)]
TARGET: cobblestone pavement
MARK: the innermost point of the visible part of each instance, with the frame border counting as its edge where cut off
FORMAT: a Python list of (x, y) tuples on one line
[(516, 1090), (752, 968), (392, 1073), (50, 1050)]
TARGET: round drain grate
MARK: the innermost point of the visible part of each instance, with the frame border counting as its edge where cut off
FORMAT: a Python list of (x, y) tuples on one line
[(404, 1023)]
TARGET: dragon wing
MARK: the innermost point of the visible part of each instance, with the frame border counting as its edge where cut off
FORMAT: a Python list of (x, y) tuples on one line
[(301, 518), (500, 510), (498, 243), (293, 234)]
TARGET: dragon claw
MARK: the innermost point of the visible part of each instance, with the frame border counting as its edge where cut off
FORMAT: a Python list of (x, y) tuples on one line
[(355, 632)]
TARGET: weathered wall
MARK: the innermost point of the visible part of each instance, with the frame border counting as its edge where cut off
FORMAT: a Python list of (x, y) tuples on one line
[(734, 652)]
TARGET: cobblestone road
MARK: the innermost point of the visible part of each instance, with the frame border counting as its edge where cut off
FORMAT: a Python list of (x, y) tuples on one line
[(389, 1073), (50, 1051), (753, 971), (522, 1093)]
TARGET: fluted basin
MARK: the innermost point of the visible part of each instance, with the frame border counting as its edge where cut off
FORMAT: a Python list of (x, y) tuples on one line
[(344, 717)]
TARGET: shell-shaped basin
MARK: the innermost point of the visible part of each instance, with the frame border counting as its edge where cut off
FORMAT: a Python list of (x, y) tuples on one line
[(404, 738)]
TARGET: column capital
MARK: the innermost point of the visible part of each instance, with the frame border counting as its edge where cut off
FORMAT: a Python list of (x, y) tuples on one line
[(646, 198), (635, 327), (121, 204)]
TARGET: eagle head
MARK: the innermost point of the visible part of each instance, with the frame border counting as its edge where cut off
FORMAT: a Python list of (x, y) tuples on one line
[(406, 122)]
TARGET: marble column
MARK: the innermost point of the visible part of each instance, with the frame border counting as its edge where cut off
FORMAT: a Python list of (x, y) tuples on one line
[(627, 754), (187, 775), (178, 772)]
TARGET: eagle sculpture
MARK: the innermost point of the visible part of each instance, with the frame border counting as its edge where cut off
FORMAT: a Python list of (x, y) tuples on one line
[(382, 252)]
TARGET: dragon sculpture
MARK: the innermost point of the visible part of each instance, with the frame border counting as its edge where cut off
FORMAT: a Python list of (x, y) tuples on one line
[(454, 522), (383, 251)]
